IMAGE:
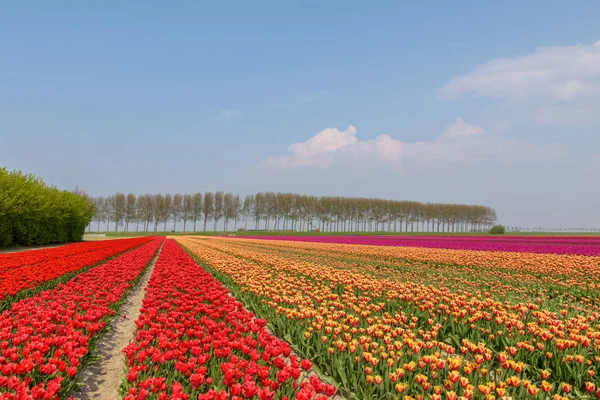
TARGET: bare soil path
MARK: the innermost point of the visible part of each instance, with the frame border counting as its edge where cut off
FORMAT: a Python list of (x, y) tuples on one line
[(101, 380), (94, 238)]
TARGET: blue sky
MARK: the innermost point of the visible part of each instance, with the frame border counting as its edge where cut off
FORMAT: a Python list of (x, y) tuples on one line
[(467, 102)]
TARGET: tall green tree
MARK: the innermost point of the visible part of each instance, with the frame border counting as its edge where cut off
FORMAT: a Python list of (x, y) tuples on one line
[(32, 212)]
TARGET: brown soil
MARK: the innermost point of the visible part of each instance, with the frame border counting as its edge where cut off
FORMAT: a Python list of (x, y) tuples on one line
[(101, 380)]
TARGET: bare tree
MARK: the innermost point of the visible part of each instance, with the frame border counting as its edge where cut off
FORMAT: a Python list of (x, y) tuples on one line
[(235, 210), (168, 199), (259, 208), (146, 208), (139, 215), (208, 207), (196, 208), (130, 209), (187, 211), (159, 209), (176, 209), (270, 208), (119, 206), (247, 209), (296, 212), (227, 210), (109, 206), (218, 208), (99, 212), (141, 212)]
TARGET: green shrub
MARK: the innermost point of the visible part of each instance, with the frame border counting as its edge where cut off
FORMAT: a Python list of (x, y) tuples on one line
[(32, 212), (498, 230)]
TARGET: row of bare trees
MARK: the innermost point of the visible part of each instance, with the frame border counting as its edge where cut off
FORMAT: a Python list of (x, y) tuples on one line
[(285, 211)]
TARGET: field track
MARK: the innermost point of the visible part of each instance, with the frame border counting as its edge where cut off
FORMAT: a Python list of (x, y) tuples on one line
[(101, 380)]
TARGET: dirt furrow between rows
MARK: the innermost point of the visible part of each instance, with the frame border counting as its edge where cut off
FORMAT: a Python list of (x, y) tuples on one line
[(101, 380)]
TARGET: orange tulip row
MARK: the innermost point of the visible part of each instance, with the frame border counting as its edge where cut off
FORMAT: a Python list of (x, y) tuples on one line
[(547, 290), (379, 326)]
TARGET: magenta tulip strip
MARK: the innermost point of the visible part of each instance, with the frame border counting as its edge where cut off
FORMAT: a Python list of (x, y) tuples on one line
[(585, 246)]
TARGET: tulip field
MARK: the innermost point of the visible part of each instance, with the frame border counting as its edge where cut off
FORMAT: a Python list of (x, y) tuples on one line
[(20, 272), (308, 318), (195, 339), (587, 246), (45, 338), (387, 322)]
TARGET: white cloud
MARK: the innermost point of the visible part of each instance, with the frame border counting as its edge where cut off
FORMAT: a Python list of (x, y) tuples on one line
[(326, 141), (318, 149), (457, 143), (461, 129), (561, 73), (227, 114)]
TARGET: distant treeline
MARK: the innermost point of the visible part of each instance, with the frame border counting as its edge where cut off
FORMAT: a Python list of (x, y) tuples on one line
[(285, 211), (32, 212)]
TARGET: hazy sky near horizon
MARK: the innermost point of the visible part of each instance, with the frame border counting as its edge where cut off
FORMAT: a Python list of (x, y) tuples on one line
[(467, 102)]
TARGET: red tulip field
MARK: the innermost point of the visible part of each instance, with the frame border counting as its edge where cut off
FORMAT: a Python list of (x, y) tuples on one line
[(19, 272), (241, 318)]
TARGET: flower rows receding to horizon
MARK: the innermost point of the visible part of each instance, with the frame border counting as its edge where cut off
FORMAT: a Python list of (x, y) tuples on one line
[(564, 270), (36, 256), (45, 338), (586, 246), (516, 283), (195, 341), (19, 271), (380, 337)]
